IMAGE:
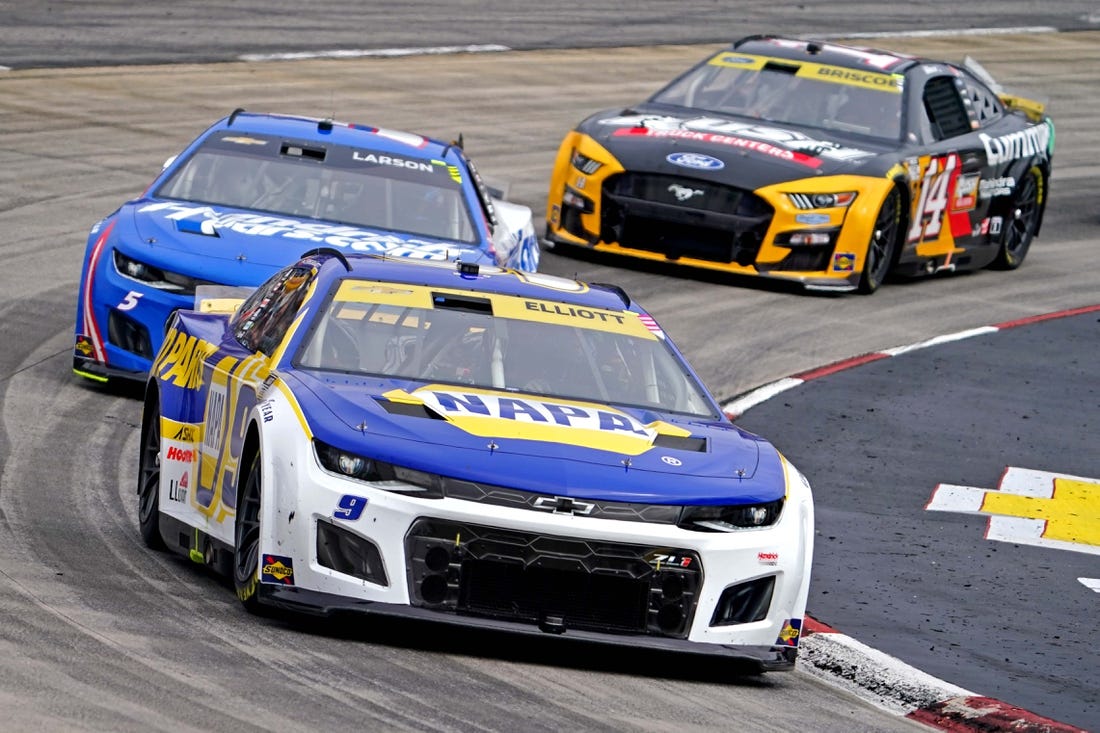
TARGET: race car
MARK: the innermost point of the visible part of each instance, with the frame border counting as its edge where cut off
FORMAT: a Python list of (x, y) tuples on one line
[(475, 446), (827, 165), (249, 194)]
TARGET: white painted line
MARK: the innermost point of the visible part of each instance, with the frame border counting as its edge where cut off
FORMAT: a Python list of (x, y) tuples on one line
[(962, 499), (883, 680), (738, 406), (946, 339), (1091, 583), (373, 52), (947, 32)]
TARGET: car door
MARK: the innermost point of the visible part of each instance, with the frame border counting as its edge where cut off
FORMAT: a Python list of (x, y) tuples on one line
[(233, 374), (946, 220)]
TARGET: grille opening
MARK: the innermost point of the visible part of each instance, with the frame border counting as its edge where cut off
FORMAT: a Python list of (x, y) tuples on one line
[(744, 602)]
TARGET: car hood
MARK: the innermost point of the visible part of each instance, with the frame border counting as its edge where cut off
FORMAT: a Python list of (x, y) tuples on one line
[(554, 446), (749, 152), (267, 240)]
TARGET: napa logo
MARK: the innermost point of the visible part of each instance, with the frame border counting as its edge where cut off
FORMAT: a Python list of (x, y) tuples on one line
[(695, 160), (499, 415)]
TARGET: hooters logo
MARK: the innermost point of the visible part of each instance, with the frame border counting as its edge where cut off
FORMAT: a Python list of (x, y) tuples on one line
[(177, 454)]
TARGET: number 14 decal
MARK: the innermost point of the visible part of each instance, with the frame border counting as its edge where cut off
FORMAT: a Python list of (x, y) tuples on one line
[(935, 193)]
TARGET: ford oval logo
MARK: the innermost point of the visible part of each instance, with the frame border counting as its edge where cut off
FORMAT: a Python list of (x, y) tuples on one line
[(695, 160)]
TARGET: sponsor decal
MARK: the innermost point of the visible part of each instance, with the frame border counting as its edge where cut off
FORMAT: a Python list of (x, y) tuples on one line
[(277, 569), (267, 411), (186, 434), (177, 490), (855, 77), (767, 558), (497, 415), (678, 561), (844, 262), (790, 145), (995, 225), (991, 187), (790, 633), (672, 461), (182, 360), (393, 161), (182, 455), (83, 345), (683, 193), (1032, 142), (698, 161), (965, 187), (321, 234)]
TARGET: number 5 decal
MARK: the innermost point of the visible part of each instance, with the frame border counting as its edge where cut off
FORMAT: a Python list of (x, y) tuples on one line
[(129, 302)]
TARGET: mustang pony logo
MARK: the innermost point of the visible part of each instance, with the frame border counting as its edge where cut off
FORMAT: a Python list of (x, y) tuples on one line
[(683, 193)]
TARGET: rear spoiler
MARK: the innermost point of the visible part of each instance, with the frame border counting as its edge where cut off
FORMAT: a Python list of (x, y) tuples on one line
[(220, 299), (1033, 108)]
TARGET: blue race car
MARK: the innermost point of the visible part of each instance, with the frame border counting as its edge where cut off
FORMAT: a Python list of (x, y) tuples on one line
[(473, 446), (250, 194)]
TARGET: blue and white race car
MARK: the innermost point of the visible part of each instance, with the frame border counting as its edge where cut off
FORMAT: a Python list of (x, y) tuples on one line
[(250, 194), (475, 446)]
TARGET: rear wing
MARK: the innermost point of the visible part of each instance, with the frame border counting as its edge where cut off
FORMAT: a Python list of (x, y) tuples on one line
[(220, 299), (1033, 108)]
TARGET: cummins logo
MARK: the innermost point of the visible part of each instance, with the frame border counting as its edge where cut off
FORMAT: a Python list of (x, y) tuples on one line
[(1023, 144)]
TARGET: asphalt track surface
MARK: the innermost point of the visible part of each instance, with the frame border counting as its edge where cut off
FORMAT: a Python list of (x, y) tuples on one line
[(1010, 619), (99, 634)]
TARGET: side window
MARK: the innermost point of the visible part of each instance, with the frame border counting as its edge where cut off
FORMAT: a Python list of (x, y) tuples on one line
[(264, 318), (985, 106), (943, 104)]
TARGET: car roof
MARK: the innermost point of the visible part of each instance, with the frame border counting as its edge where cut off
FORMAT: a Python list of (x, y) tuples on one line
[(824, 52), (469, 276), (335, 131)]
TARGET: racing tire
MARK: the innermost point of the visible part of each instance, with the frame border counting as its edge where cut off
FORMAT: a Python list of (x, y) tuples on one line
[(148, 489), (1022, 221), (246, 540), (883, 247)]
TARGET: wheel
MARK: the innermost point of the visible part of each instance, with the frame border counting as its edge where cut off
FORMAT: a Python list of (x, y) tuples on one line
[(149, 477), (883, 245), (1022, 221), (246, 536)]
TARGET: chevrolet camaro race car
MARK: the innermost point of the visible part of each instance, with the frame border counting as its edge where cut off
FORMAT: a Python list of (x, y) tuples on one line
[(470, 445), (250, 194), (828, 165)]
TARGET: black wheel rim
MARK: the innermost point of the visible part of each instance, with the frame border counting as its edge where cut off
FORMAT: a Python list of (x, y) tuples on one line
[(882, 239), (1024, 216), (246, 553), (149, 486)]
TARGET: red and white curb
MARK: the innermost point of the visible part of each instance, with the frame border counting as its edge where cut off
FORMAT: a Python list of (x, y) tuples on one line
[(890, 684), (739, 405), (872, 675)]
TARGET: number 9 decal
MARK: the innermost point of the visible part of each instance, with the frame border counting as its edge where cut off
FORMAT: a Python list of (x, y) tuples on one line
[(350, 507)]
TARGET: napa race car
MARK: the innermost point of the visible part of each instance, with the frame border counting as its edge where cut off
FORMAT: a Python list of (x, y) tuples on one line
[(252, 192), (827, 165), (474, 446)]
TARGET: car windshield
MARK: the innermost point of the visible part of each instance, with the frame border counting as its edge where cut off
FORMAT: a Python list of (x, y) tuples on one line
[(359, 187), (862, 102), (499, 342)]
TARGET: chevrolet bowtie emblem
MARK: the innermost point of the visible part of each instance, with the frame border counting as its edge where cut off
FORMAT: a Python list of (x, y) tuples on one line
[(563, 505)]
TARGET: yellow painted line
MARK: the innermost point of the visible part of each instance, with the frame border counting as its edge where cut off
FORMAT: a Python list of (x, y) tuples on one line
[(1032, 507)]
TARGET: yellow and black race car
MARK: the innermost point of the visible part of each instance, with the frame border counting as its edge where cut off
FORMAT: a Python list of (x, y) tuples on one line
[(828, 165)]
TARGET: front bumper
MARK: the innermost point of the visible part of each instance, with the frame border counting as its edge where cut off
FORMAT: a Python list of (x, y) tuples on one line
[(648, 584)]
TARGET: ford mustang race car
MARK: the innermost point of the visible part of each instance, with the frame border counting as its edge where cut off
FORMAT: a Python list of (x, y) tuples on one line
[(828, 165), (475, 446), (247, 196)]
